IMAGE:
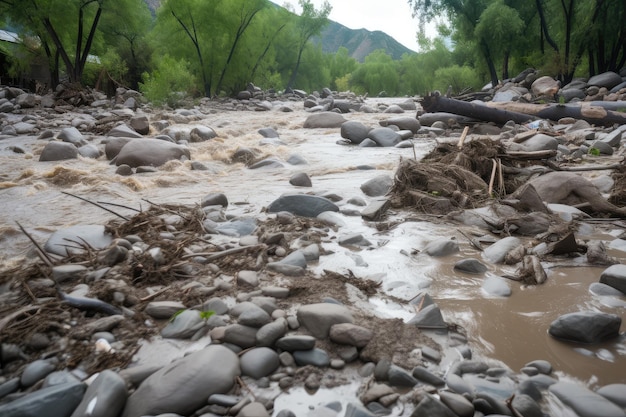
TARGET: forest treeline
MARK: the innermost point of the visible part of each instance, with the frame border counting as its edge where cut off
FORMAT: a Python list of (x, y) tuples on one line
[(216, 47)]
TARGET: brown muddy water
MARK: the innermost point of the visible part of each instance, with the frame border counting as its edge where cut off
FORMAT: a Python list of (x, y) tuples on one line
[(512, 329)]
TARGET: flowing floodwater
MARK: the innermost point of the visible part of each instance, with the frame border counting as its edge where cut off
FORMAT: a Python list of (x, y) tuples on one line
[(512, 330)]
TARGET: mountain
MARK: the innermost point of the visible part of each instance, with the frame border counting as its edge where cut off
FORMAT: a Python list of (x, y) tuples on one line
[(359, 42)]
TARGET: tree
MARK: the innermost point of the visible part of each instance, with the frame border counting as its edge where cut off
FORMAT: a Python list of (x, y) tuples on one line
[(379, 73), (310, 23)]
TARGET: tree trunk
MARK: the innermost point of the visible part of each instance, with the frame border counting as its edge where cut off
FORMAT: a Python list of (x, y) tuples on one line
[(436, 103), (294, 74)]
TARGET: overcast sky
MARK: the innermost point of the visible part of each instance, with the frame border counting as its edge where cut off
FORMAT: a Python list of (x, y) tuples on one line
[(391, 16)]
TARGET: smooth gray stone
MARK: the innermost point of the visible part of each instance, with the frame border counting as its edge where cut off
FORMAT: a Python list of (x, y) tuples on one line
[(430, 407), (311, 252), (424, 375), (460, 405), (539, 142), (441, 247), (354, 131), (384, 136), (459, 385), (584, 402), (295, 258), (286, 269), (150, 152), (93, 235), (429, 317), (319, 318), (527, 387), (248, 279), (9, 387), (296, 342), (497, 251), (398, 377), (271, 332), (603, 147), (36, 370), (123, 131), (254, 317), (73, 136), (89, 151), (259, 362), (350, 334), (296, 159), (183, 326), (302, 205), (527, 406), (214, 199), (607, 79), (216, 305), (237, 227), (498, 286), (403, 123), (616, 393), (268, 132), (377, 186), (316, 357), (376, 209), (368, 143), (601, 290), (324, 120), (615, 276), (184, 385), (496, 405), (267, 163), (542, 366), (105, 397), (612, 139), (254, 409), (300, 179), (55, 401), (470, 266), (586, 327), (58, 151), (242, 336), (225, 400), (163, 309)]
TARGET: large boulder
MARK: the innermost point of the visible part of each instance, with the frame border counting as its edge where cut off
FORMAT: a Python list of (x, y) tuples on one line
[(150, 152), (384, 136), (584, 402), (105, 397), (355, 132), (324, 120), (58, 151), (319, 318), (54, 401), (615, 276), (183, 386), (586, 327), (545, 86), (606, 79)]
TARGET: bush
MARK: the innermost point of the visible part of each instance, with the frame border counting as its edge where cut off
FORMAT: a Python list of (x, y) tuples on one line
[(169, 83), (457, 77)]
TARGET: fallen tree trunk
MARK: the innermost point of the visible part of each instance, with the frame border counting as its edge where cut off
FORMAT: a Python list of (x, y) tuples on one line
[(595, 112), (435, 103)]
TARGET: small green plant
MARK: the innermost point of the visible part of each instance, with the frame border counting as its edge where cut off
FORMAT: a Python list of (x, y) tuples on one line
[(204, 315), (169, 83), (594, 151)]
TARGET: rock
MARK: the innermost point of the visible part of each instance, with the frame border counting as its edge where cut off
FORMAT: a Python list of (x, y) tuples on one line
[(201, 134), (270, 162), (430, 407), (324, 120), (319, 318), (247, 279), (184, 325), (398, 377), (497, 286), (105, 397), (89, 151), (140, 124), (607, 79), (460, 405), (538, 142), (441, 247), (271, 332), (470, 266), (296, 342), (542, 366), (350, 334), (429, 317), (214, 199), (584, 402), (113, 146), (527, 406), (497, 251), (616, 393), (123, 131), (424, 375), (376, 209), (384, 136), (58, 151), (240, 335), (586, 327), (259, 362), (150, 152), (163, 309), (316, 357), (254, 316), (545, 86), (36, 371), (302, 205), (615, 276), (54, 401), (73, 136), (403, 123), (184, 385), (368, 143), (300, 179), (93, 235), (354, 131), (377, 186)]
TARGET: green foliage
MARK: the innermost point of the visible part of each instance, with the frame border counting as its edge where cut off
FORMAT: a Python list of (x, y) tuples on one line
[(378, 73), (594, 151), (169, 83), (456, 76)]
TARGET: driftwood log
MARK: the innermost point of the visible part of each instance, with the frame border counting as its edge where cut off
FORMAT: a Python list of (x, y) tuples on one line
[(594, 112), (436, 103)]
